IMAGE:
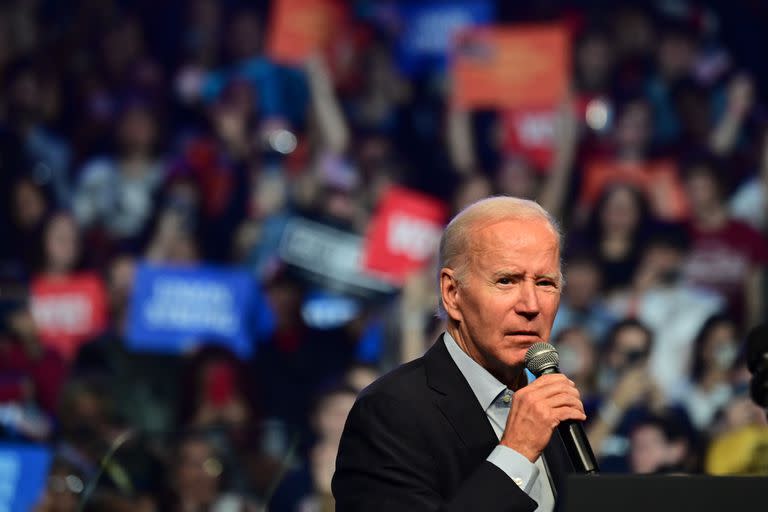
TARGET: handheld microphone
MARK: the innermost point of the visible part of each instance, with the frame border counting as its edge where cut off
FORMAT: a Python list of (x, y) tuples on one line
[(542, 359)]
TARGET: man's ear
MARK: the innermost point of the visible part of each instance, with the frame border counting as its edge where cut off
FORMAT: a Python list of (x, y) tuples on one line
[(449, 292)]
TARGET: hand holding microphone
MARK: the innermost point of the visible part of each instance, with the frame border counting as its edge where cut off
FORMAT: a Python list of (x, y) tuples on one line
[(550, 402)]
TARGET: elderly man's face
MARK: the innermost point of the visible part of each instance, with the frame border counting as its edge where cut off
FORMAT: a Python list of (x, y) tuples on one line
[(509, 296)]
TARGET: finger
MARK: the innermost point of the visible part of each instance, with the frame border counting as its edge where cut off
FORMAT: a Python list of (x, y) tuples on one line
[(569, 413), (564, 400), (551, 389), (547, 381), (549, 378)]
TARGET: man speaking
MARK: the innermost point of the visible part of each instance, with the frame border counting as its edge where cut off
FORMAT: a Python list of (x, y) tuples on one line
[(462, 428)]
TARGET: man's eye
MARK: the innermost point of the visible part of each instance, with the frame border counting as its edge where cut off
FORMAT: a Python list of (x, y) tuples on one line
[(504, 280), (547, 283)]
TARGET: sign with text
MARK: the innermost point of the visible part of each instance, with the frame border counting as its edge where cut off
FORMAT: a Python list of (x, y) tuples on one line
[(329, 257), (299, 28), (68, 311), (426, 30), (657, 179), (173, 310), (511, 67), (404, 233), (530, 132), (23, 473)]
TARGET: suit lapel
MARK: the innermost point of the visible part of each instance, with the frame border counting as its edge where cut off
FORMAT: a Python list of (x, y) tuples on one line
[(461, 409), (558, 463), (457, 402)]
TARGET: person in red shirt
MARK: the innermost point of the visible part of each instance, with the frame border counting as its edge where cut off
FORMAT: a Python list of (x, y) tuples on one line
[(727, 255)]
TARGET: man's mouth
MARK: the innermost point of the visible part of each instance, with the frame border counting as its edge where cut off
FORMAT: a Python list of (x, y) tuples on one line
[(524, 333)]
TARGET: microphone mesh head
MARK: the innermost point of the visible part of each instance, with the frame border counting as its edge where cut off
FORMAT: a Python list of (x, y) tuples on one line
[(541, 356)]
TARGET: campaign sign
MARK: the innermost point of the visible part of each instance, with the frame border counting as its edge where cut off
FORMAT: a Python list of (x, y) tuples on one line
[(68, 310), (530, 133), (511, 67), (427, 29), (659, 180), (329, 257), (173, 309), (404, 233), (23, 473), (299, 28)]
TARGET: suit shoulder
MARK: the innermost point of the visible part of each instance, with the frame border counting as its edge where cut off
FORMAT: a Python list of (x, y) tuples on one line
[(406, 381)]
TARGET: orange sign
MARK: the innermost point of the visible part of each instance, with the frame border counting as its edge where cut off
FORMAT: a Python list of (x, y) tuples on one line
[(299, 28), (511, 67), (658, 179)]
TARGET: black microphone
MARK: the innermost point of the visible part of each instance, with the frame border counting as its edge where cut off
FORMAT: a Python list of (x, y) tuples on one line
[(542, 359)]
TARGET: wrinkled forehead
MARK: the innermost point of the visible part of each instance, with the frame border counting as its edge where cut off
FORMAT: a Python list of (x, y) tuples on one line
[(532, 229), (500, 239)]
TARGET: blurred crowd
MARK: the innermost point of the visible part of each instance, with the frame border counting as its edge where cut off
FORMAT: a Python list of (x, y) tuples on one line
[(162, 132)]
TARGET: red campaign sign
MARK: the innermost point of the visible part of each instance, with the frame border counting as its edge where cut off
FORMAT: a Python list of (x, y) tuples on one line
[(68, 311), (530, 132), (404, 234)]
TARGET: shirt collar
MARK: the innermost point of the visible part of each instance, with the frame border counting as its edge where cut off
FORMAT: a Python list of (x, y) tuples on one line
[(485, 386)]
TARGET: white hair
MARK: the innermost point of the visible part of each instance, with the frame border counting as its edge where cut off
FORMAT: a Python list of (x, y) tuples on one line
[(455, 241)]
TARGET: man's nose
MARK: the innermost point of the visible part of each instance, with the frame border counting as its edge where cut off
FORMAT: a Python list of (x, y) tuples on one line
[(528, 305)]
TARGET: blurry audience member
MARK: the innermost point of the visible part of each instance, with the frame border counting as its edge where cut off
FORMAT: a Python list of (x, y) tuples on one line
[(659, 444), (578, 360), (42, 154), (628, 161), (412, 333), (581, 304), (27, 208), (89, 430), (715, 351), (219, 392), (144, 387), (625, 382), (594, 59), (63, 324), (197, 479), (739, 434), (726, 135), (308, 488), (116, 192), (173, 241), (360, 375), (322, 463), (330, 415), (61, 246), (750, 202), (727, 256), (330, 412), (31, 378), (675, 56), (616, 233), (633, 33), (671, 307)]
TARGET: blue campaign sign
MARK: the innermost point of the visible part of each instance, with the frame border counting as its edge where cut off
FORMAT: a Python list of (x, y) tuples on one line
[(176, 309), (428, 29), (23, 473)]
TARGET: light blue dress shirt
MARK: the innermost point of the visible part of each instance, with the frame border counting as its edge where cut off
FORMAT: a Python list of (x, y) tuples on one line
[(496, 400)]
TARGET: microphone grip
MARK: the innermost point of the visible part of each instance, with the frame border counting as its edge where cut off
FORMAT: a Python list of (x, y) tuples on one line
[(578, 447), (576, 442)]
